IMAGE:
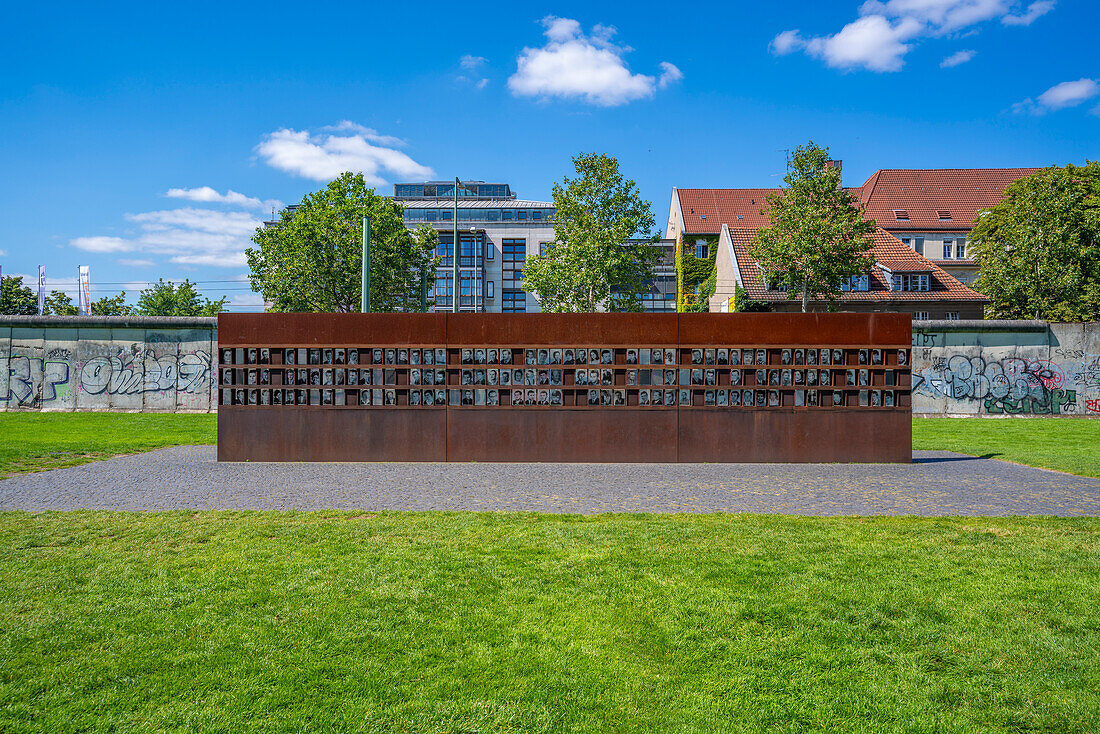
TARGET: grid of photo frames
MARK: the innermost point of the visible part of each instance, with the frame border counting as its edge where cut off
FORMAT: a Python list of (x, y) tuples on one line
[(595, 377)]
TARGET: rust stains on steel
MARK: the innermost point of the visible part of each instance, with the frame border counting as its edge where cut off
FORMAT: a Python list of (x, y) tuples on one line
[(628, 432)]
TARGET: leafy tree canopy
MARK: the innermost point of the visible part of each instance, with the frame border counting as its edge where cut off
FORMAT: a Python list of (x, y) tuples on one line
[(590, 267), (169, 299), (112, 306), (17, 299), (60, 304), (312, 260), (1038, 250), (817, 237)]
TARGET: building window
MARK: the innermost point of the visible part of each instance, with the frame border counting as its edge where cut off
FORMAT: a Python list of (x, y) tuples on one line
[(910, 282), (918, 244), (701, 249), (960, 247), (506, 215), (513, 301), (907, 241), (521, 214), (920, 315), (513, 254), (951, 315), (444, 289), (489, 290), (947, 249), (856, 283), (544, 247)]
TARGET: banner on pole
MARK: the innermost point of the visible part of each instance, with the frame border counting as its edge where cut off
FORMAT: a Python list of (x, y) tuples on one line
[(41, 289), (84, 286)]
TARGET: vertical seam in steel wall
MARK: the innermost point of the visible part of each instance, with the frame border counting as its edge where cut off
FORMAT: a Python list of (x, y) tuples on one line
[(677, 340), (446, 368)]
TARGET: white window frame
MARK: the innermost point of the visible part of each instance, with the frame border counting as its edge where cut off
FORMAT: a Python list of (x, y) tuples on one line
[(920, 315), (951, 315), (960, 248), (948, 248)]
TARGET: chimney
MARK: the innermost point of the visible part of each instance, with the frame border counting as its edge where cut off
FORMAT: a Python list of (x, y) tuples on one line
[(838, 165)]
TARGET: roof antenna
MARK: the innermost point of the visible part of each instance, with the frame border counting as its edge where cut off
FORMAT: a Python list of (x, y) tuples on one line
[(787, 156)]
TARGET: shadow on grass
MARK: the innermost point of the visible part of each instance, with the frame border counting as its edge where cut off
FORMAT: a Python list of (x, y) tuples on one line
[(942, 459)]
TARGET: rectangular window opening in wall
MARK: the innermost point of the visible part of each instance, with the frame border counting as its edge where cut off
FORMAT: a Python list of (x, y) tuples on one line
[(489, 289), (951, 315), (513, 301), (947, 249), (701, 249), (920, 315), (960, 248), (918, 244)]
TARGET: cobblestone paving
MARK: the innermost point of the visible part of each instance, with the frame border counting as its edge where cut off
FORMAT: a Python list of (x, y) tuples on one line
[(189, 477)]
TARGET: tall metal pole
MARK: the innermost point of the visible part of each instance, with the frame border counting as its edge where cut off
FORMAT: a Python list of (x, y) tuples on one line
[(454, 221), (365, 305)]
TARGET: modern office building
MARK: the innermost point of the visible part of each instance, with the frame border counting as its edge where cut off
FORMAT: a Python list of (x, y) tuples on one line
[(497, 232)]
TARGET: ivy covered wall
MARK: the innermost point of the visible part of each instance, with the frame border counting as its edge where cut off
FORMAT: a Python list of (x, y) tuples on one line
[(694, 271)]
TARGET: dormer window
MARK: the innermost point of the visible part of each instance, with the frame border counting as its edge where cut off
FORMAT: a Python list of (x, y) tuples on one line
[(856, 283), (910, 282), (902, 215), (945, 216)]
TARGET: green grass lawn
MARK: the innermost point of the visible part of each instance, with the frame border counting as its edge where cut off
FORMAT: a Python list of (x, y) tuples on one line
[(39, 441), (1065, 444), (465, 622)]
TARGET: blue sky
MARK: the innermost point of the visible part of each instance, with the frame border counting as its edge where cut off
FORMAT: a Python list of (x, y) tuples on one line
[(123, 127)]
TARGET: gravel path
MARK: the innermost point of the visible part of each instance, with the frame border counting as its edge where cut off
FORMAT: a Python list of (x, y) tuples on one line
[(189, 477)]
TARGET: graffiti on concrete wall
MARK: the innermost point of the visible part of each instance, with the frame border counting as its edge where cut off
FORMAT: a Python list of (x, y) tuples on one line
[(60, 377), (1063, 381)]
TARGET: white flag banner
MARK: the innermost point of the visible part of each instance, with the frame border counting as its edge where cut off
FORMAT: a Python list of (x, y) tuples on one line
[(84, 284), (41, 289)]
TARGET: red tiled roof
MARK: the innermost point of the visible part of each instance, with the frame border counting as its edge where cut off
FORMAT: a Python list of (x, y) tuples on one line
[(706, 210), (887, 251), (922, 194), (925, 193)]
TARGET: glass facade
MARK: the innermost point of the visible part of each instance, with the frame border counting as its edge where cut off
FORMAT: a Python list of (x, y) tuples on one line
[(416, 214), (513, 256)]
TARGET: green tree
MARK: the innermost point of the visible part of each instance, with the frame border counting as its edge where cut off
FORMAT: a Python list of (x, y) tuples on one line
[(17, 299), (112, 306), (60, 304), (1038, 250), (312, 260), (590, 266), (817, 235), (169, 299)]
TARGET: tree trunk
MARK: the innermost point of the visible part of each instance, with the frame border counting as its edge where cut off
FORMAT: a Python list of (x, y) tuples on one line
[(805, 295)]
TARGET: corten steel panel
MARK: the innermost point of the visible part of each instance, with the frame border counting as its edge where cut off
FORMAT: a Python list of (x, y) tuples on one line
[(562, 434), (248, 433), (794, 329), (587, 329), (346, 329), (799, 435), (353, 433)]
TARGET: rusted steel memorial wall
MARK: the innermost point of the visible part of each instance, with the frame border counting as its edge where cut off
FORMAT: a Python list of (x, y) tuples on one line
[(565, 387)]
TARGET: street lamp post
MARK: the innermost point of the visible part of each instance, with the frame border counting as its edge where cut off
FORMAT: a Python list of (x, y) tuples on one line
[(454, 222)]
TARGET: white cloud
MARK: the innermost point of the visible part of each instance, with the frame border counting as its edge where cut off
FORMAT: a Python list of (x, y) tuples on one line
[(590, 67), (1034, 11), (3, 253), (670, 74), (187, 236), (208, 195), (471, 63), (957, 58), (347, 146), (102, 244), (1060, 96), (247, 299), (1069, 94), (131, 263), (887, 30)]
